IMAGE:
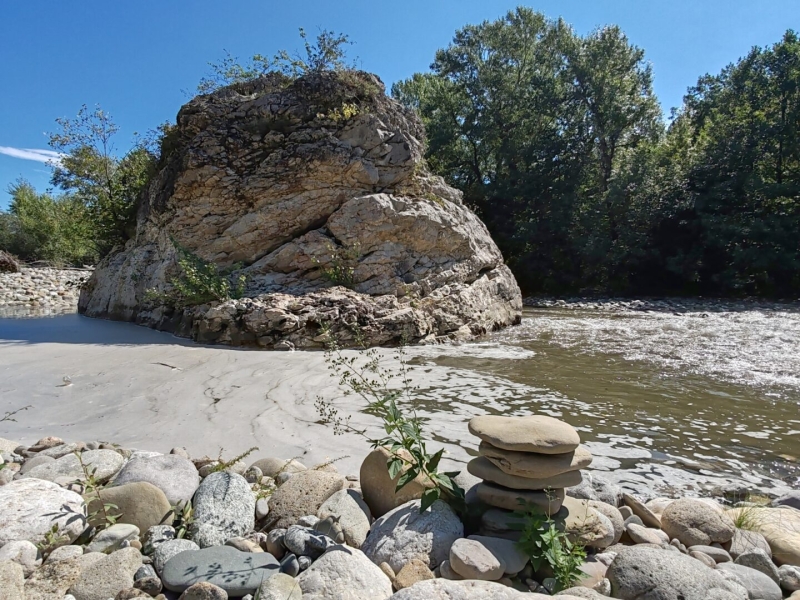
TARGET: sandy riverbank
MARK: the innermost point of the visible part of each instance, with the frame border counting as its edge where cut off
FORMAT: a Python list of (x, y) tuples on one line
[(148, 389)]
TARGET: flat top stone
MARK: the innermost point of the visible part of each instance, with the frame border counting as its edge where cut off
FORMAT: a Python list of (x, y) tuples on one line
[(236, 572), (536, 433), (174, 475)]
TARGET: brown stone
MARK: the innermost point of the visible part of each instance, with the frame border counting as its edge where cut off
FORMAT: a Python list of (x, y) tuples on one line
[(484, 468), (536, 433), (495, 495), (302, 495), (527, 464), (414, 571), (378, 489), (140, 503)]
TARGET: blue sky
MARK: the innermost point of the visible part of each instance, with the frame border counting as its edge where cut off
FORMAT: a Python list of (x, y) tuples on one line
[(137, 59)]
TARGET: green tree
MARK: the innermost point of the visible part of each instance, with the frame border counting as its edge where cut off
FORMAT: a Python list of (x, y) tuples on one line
[(520, 119), (42, 227), (328, 52), (92, 172)]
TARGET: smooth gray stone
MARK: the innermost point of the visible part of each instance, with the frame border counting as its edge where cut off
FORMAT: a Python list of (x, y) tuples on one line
[(236, 572), (224, 507), (290, 565), (758, 585), (172, 474)]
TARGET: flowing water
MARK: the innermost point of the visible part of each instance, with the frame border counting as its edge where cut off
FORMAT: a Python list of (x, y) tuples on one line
[(669, 397), (669, 400)]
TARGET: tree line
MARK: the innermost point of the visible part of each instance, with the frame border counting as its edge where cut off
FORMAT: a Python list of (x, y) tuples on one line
[(557, 141)]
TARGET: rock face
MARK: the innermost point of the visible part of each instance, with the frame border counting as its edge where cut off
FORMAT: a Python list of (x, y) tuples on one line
[(289, 182), (8, 264)]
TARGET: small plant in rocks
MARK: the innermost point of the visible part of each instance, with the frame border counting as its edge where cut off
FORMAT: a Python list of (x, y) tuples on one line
[(52, 540), (384, 389), (546, 544), (226, 464), (200, 281), (181, 517), (340, 269), (91, 489)]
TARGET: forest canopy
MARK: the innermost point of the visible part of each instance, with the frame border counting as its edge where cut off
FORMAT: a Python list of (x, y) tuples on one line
[(557, 141)]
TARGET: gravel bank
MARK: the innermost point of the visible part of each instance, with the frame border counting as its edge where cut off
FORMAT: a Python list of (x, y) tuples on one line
[(41, 291)]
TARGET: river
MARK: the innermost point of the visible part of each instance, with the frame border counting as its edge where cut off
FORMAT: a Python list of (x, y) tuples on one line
[(670, 397)]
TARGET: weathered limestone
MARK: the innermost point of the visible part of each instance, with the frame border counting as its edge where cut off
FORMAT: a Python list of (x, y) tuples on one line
[(287, 182)]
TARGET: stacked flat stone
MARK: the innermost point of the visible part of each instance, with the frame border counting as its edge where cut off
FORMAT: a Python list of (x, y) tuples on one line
[(526, 459)]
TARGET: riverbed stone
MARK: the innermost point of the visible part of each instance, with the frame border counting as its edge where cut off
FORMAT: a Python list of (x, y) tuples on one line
[(500, 497), (64, 553), (758, 560), (744, 540), (141, 504), (107, 576), (344, 573), (62, 450), (224, 507), (238, 573), (304, 541), (379, 489), (791, 499), (302, 495), (352, 514), (12, 581), (779, 526), (204, 591), (720, 555), (758, 585), (506, 551), (644, 535), (404, 533), (111, 539), (647, 516), (169, 548), (613, 514), (703, 557), (174, 475), (272, 466), (483, 468), (52, 580), (536, 433), (413, 572), (31, 507), (526, 464), (789, 578), (657, 574), (104, 463), (22, 552), (695, 523), (445, 589), (472, 560), (279, 587), (35, 462)]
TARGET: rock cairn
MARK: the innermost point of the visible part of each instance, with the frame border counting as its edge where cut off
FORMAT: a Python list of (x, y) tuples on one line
[(530, 461), (526, 460)]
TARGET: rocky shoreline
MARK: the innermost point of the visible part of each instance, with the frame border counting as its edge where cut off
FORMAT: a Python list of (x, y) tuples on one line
[(95, 521), (36, 291)]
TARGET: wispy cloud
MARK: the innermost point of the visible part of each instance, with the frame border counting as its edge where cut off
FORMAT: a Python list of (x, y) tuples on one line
[(45, 156)]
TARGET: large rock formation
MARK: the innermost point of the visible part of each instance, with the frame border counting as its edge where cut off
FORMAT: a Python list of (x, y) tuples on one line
[(293, 184)]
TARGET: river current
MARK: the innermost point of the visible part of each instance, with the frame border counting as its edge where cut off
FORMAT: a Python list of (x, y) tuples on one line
[(670, 397), (687, 399)]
